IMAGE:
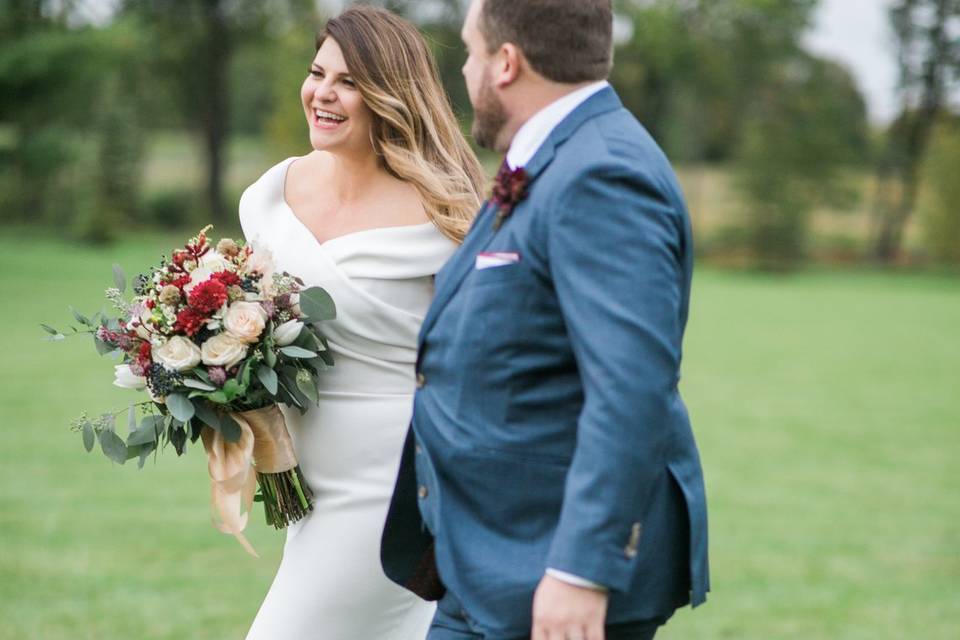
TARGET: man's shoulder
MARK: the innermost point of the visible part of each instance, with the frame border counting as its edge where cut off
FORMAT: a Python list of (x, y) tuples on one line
[(614, 145)]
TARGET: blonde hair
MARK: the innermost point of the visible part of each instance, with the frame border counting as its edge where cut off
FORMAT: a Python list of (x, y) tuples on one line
[(414, 130)]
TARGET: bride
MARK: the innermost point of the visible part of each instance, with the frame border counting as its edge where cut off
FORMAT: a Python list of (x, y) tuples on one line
[(371, 214)]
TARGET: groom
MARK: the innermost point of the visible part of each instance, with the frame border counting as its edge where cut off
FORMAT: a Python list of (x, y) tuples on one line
[(550, 485)]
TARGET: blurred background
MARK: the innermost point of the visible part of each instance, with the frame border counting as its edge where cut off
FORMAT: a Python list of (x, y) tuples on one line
[(818, 144)]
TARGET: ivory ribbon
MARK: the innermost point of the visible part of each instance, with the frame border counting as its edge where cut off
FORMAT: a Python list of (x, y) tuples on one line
[(264, 442)]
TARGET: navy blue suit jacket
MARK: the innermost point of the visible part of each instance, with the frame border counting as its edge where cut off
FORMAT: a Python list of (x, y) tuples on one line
[(548, 430)]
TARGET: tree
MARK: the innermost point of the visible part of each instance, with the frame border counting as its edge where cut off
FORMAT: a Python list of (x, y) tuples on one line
[(940, 194), (805, 127), (193, 43), (928, 37), (70, 169)]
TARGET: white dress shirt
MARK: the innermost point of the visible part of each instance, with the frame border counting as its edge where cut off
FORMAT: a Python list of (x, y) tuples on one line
[(537, 129), (523, 147)]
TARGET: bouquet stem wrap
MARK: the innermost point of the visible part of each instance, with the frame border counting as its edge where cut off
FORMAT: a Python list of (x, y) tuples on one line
[(264, 454)]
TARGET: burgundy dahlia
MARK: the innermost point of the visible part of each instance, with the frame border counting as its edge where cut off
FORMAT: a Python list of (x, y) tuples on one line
[(208, 296)]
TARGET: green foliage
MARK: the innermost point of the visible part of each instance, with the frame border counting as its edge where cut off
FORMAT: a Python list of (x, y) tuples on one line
[(75, 161), (803, 129), (939, 205)]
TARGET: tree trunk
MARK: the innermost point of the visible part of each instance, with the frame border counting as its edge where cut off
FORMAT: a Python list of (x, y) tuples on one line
[(908, 143), (215, 115)]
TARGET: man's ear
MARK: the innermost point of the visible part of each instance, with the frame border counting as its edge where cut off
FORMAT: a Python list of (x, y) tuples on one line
[(509, 60)]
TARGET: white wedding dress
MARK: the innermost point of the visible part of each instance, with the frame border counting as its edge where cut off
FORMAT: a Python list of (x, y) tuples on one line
[(330, 585)]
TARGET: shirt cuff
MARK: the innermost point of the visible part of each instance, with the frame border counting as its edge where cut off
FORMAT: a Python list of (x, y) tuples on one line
[(576, 581)]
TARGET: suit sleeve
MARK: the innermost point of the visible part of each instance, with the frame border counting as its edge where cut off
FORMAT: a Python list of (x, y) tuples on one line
[(616, 259)]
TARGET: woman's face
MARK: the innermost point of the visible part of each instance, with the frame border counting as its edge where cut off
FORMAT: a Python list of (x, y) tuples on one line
[(337, 116)]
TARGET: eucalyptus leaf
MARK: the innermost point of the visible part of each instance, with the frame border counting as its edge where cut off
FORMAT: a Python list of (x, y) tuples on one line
[(268, 377), (180, 406), (229, 428), (297, 352), (82, 319), (102, 347), (269, 357), (131, 419), (317, 304), (150, 429), (49, 329), (119, 279), (207, 415), (308, 386), (113, 446), (89, 437), (145, 452), (196, 384), (56, 338)]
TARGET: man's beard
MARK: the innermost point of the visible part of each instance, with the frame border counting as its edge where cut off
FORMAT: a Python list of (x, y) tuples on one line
[(489, 117)]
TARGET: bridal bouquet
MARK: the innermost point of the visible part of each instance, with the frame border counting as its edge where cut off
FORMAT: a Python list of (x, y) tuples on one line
[(216, 338)]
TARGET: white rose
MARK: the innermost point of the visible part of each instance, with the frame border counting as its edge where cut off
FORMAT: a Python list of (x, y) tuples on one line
[(287, 332), (177, 353), (222, 350), (245, 321), (126, 379), (214, 261)]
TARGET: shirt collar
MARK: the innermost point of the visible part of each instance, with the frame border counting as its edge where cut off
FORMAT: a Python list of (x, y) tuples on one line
[(537, 129)]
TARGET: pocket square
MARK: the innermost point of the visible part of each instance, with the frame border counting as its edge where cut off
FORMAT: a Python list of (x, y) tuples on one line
[(496, 259)]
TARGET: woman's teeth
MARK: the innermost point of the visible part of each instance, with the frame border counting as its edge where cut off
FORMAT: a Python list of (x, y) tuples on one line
[(328, 116)]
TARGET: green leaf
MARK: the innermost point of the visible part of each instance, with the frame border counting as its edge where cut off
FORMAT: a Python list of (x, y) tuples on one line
[(297, 352), (308, 386), (150, 429), (49, 329), (317, 304), (268, 377), (132, 419), (102, 347), (229, 428), (269, 357), (208, 415), (145, 452), (56, 338), (232, 389), (219, 397), (196, 384), (89, 437), (113, 447), (119, 278), (180, 407), (82, 319)]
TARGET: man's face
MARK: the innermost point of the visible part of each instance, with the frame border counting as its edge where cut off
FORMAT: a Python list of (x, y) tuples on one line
[(489, 114)]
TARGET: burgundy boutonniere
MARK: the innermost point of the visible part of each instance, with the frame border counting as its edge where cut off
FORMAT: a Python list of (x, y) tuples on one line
[(509, 188)]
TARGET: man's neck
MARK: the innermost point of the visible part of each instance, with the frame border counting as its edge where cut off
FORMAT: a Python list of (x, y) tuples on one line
[(530, 100)]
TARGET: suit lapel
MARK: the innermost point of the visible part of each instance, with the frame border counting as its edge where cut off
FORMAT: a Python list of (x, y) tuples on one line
[(482, 233), (453, 273)]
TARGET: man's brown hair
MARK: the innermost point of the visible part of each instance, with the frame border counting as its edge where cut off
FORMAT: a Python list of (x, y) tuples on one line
[(566, 41)]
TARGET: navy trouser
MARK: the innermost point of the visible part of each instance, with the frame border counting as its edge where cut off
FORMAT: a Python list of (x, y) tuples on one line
[(449, 623)]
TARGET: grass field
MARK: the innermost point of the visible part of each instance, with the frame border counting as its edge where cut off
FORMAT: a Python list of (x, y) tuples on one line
[(826, 406)]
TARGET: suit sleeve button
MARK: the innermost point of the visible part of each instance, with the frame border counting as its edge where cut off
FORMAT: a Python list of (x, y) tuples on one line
[(422, 492), (421, 381)]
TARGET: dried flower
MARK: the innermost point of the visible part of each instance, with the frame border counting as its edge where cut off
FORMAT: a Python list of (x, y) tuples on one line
[(170, 294), (228, 247)]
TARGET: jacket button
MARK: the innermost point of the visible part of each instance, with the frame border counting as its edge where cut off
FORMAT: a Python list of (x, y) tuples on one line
[(421, 381), (630, 550), (422, 492)]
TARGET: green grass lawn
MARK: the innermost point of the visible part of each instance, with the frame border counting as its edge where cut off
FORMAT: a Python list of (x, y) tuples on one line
[(826, 406)]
